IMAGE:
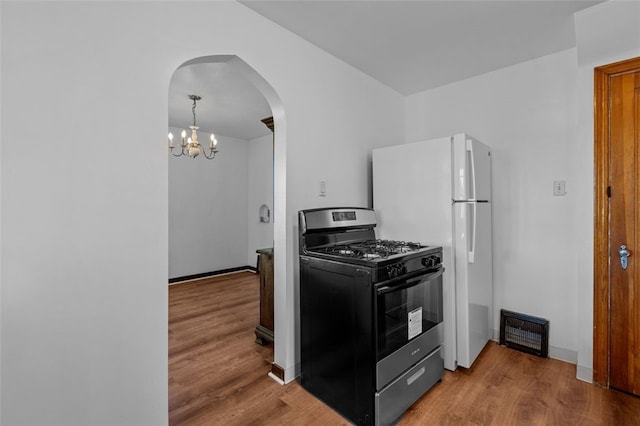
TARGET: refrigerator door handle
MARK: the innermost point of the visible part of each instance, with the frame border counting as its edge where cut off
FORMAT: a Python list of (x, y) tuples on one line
[(472, 235), (472, 170)]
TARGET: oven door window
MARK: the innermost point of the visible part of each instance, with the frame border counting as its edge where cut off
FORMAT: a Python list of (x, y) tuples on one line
[(406, 309)]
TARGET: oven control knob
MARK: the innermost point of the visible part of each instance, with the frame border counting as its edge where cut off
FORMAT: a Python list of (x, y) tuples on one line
[(430, 261), (392, 271), (402, 269)]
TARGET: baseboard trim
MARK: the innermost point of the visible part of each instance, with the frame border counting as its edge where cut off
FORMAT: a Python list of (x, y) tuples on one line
[(275, 378), (563, 354), (277, 372), (584, 373), (212, 273)]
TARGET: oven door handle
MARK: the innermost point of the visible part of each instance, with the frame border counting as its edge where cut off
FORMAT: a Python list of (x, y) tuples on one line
[(407, 281)]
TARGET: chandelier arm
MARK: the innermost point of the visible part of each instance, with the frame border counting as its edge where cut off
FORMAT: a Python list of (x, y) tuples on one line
[(209, 157), (212, 152), (177, 155)]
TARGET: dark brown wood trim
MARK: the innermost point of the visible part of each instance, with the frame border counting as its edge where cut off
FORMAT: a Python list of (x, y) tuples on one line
[(263, 335), (601, 238), (212, 273), (268, 122), (601, 216), (277, 371)]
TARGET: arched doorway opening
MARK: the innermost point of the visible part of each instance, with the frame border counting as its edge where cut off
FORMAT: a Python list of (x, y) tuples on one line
[(234, 65)]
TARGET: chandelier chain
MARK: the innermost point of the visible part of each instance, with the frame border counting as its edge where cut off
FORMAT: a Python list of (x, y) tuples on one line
[(193, 111)]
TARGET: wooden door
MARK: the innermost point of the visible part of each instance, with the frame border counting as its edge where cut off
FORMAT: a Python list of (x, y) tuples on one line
[(617, 323)]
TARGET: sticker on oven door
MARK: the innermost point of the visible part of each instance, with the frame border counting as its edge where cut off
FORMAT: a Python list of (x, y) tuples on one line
[(415, 323)]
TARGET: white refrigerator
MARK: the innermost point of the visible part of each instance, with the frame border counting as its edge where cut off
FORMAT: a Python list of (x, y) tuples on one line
[(438, 192)]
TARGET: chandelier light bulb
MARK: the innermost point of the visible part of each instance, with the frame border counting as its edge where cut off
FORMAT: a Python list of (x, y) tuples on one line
[(171, 145)]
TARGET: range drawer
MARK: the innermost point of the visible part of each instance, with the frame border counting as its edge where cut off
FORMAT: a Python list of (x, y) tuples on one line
[(394, 365), (394, 399)]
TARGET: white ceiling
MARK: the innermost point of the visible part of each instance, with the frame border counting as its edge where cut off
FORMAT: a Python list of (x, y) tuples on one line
[(413, 46), (230, 105), (409, 46)]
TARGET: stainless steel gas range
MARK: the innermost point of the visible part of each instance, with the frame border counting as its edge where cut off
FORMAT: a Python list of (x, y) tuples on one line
[(370, 316)]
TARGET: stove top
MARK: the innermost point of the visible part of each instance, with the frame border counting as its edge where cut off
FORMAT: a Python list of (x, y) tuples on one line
[(381, 253), (347, 236), (373, 249)]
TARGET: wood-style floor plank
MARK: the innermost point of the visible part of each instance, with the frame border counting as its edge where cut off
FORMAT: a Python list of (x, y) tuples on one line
[(218, 376)]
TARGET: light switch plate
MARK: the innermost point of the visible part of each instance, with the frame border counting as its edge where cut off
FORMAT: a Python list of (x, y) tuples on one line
[(559, 188)]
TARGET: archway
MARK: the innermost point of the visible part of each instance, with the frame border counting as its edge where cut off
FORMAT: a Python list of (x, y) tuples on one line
[(279, 192)]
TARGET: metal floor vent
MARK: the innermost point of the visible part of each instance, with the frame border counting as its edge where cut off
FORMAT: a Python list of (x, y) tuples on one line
[(524, 333)]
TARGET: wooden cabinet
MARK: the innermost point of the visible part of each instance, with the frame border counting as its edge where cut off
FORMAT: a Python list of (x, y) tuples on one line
[(264, 330)]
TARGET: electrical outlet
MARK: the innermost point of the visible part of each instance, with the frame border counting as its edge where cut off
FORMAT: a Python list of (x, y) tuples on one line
[(558, 188)]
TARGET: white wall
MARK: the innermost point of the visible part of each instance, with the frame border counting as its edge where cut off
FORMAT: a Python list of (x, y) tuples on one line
[(214, 205), (207, 205), (606, 33), (526, 113), (85, 189), (260, 191)]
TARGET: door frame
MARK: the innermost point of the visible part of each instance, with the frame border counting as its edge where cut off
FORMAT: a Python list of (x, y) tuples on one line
[(601, 272)]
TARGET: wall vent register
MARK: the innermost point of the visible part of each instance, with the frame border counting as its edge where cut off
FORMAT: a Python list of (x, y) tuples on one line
[(525, 333)]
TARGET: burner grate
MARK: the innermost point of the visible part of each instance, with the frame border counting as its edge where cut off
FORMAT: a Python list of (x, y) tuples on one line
[(370, 249), (388, 247)]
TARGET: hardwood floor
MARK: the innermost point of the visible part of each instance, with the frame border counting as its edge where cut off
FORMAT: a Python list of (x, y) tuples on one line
[(217, 373), (218, 376), (506, 387)]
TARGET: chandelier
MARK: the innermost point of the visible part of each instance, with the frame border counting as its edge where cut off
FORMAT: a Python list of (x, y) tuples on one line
[(191, 147)]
